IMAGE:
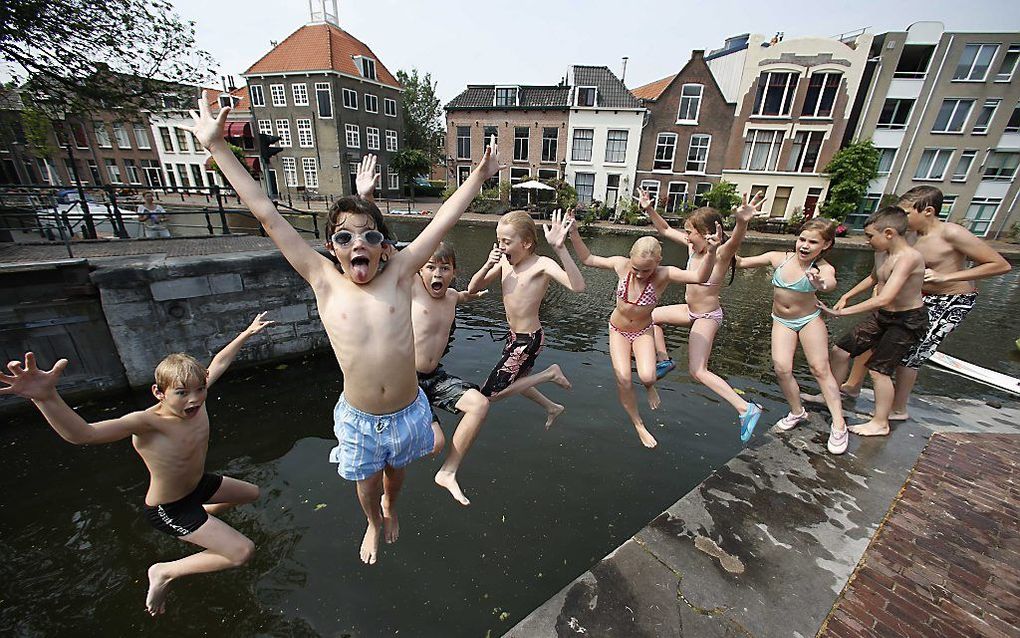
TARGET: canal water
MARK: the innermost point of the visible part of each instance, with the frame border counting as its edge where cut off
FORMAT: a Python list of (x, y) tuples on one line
[(74, 547)]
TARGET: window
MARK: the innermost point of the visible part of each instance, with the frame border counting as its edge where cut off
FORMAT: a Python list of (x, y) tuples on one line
[(933, 163), (583, 140), (548, 173), (869, 204), (283, 130), (371, 138), (113, 170), (182, 140), (914, 60), (761, 150), (463, 172), (121, 135), (81, 140), (518, 175), (676, 196), (895, 113), (463, 142), (616, 146), (585, 96), (171, 180), (102, 136), (393, 180), (257, 98), (665, 151), (142, 136), (980, 214), (775, 93), (391, 140), (584, 184), (779, 202), (550, 140), (371, 103), (279, 94), (804, 154), (166, 139), (947, 207), (289, 170), (697, 154), (821, 94), (1000, 166), (182, 175), (505, 96), (1008, 66), (1013, 125), (324, 100), (690, 104), (350, 99), (984, 118), (199, 148), (266, 127), (196, 175), (310, 167), (300, 93), (391, 107), (651, 187), (352, 135), (132, 171), (701, 188), (521, 135), (488, 134), (304, 133), (963, 165), (885, 160), (366, 67), (952, 116), (974, 62)]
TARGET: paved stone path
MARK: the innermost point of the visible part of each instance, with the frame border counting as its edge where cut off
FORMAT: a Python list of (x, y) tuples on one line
[(946, 561)]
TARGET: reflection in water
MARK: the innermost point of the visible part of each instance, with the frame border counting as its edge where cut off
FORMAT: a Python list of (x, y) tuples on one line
[(545, 505)]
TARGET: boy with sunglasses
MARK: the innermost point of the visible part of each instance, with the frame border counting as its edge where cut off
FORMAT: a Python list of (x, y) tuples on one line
[(382, 421)]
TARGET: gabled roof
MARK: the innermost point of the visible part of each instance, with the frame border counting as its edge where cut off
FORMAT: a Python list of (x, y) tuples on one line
[(241, 93), (318, 47), (653, 90), (612, 94), (483, 96)]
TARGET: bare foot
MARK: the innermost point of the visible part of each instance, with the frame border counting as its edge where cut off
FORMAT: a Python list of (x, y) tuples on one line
[(449, 481), (653, 399), (870, 429), (391, 525), (899, 416), (159, 587), (370, 545), (851, 391), (551, 415), (646, 437), (559, 378)]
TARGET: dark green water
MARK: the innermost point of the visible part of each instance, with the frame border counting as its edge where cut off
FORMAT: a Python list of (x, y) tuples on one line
[(545, 505)]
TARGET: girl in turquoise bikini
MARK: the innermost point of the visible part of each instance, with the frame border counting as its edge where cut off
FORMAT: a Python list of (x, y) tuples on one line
[(796, 318)]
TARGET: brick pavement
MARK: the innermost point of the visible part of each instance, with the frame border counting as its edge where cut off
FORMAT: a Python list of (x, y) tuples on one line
[(946, 561)]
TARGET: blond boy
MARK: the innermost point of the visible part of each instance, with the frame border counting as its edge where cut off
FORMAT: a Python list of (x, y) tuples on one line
[(172, 437)]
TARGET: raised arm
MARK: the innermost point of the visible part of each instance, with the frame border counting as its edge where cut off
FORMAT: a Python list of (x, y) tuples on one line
[(756, 261), (569, 276), (646, 203), (226, 356), (742, 218), (585, 255), (209, 131), (40, 386), (987, 261), (488, 273), (366, 179)]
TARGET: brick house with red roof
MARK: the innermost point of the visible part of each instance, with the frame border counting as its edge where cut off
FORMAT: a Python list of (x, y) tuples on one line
[(331, 101), (684, 140)]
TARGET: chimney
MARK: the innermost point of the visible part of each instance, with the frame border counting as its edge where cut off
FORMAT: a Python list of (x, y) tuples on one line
[(623, 75), (223, 82), (230, 83)]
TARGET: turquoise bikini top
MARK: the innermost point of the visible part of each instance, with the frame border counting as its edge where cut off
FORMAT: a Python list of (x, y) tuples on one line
[(801, 285)]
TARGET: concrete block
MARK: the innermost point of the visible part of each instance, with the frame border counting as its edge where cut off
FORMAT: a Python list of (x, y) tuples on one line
[(183, 288), (121, 314), (290, 314), (224, 283)]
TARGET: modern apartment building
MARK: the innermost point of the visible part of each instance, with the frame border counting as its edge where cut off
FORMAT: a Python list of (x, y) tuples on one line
[(944, 110), (331, 101), (685, 136), (793, 100)]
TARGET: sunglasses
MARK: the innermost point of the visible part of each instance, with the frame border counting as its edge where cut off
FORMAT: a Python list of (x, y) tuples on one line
[(345, 237)]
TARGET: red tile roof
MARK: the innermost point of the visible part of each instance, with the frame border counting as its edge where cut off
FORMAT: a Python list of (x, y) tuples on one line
[(241, 92), (653, 90), (316, 47)]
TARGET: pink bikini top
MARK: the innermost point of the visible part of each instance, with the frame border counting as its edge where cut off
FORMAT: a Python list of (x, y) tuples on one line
[(648, 296)]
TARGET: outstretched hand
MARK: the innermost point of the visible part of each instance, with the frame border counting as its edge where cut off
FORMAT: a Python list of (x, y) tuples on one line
[(715, 239), (644, 199), (570, 219), (830, 312), (208, 130), (843, 301), (556, 231), (814, 278), (749, 209), (366, 179), (257, 324), (490, 165), (29, 381)]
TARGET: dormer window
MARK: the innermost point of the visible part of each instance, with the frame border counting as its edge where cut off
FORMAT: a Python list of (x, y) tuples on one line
[(586, 96), (506, 96), (228, 100), (366, 67)]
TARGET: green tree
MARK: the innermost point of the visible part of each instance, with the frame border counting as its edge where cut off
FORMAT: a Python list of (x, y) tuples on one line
[(38, 132), (849, 172), (723, 197), (423, 115), (88, 54), (409, 164), (238, 153)]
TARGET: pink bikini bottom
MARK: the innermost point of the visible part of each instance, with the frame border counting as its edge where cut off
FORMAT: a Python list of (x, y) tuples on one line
[(631, 336), (715, 315)]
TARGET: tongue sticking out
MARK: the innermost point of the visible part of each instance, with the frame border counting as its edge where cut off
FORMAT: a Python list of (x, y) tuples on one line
[(359, 269)]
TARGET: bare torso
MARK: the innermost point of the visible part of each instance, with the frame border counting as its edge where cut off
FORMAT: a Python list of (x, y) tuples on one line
[(702, 298), (524, 287), (174, 450), (909, 296), (793, 304), (431, 319), (940, 256)]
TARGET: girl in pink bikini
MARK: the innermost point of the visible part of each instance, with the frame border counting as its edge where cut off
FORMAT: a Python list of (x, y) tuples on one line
[(642, 282)]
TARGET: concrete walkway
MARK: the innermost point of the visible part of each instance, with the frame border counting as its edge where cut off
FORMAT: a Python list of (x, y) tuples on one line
[(765, 545)]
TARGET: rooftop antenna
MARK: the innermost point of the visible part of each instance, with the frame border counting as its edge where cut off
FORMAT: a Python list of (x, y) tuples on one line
[(623, 76)]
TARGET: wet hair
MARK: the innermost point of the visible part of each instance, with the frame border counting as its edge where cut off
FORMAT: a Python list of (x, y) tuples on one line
[(445, 254), (524, 226), (824, 227), (888, 217), (646, 246), (704, 220), (355, 205), (921, 197), (177, 370)]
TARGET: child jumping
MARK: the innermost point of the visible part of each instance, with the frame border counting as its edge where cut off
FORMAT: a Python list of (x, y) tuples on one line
[(172, 437), (897, 319), (382, 420), (796, 318), (642, 280), (703, 312), (524, 277)]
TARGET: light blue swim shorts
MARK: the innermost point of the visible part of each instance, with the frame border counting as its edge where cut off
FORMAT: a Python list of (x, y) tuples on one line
[(369, 442)]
